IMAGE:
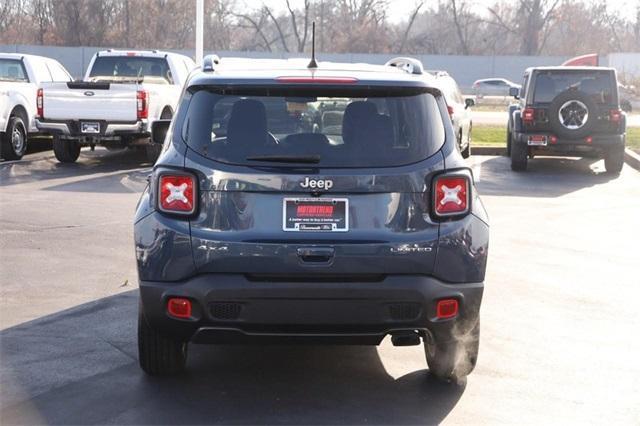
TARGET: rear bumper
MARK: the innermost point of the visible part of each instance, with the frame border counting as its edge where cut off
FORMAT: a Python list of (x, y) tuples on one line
[(72, 128), (230, 308), (578, 147)]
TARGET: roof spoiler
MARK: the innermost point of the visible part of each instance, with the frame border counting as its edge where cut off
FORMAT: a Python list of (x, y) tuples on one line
[(209, 63), (409, 65)]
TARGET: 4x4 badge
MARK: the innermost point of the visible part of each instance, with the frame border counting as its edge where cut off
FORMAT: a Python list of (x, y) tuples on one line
[(317, 183)]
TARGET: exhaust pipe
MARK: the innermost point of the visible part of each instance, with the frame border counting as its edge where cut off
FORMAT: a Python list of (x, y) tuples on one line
[(405, 338)]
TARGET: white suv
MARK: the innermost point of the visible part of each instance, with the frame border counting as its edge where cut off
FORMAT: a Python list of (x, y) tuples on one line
[(459, 110)]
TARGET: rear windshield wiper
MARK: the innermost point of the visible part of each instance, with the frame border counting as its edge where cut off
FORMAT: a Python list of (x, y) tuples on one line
[(306, 159)]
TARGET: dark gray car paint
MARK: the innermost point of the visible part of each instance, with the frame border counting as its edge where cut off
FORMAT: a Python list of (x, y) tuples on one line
[(236, 237)]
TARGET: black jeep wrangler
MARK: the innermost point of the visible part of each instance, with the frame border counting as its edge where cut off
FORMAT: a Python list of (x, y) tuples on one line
[(567, 111)]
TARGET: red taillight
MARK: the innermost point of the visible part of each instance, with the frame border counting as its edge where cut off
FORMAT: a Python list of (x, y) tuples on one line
[(528, 115), (176, 194), (615, 115), (452, 195), (142, 104), (446, 308), (317, 80), (179, 307), (40, 104), (450, 111)]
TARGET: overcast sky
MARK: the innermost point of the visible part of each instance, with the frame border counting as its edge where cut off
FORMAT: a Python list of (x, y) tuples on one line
[(400, 9)]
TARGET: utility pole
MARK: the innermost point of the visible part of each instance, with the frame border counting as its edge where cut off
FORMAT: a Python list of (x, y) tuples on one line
[(199, 31)]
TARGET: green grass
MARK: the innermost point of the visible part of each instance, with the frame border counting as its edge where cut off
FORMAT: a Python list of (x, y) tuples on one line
[(633, 138), (497, 136), (489, 135), (491, 107)]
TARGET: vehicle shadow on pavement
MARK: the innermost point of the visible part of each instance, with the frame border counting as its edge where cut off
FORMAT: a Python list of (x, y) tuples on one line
[(123, 182), (44, 166), (79, 366), (547, 177)]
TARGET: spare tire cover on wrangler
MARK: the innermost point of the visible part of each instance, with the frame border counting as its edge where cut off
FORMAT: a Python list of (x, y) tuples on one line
[(572, 114)]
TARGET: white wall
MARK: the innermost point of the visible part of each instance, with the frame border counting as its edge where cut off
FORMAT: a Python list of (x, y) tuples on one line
[(465, 69)]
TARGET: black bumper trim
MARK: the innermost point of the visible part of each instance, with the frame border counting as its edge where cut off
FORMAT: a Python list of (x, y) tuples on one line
[(341, 312)]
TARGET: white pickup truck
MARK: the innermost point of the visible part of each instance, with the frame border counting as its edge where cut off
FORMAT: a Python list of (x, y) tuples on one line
[(20, 77), (121, 95)]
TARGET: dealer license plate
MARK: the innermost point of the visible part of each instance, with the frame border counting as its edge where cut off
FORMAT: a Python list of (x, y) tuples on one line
[(315, 214)]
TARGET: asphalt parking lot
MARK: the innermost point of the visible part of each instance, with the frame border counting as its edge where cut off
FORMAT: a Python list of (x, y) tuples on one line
[(559, 318)]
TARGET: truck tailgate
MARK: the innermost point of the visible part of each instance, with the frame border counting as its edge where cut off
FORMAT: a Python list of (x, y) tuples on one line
[(94, 101)]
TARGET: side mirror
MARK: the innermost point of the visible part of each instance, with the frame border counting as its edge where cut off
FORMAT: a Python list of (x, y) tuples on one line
[(515, 92), (159, 129), (468, 102)]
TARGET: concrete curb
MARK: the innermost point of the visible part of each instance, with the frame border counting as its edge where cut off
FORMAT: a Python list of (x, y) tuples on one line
[(488, 150), (632, 159)]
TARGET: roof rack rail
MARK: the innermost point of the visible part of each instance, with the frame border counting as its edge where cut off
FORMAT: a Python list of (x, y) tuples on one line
[(409, 65), (439, 73), (209, 62)]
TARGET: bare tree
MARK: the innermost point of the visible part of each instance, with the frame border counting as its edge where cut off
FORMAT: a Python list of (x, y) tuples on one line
[(529, 27), (41, 15), (637, 28), (412, 19), (281, 35), (258, 26), (537, 15), (460, 27), (301, 36)]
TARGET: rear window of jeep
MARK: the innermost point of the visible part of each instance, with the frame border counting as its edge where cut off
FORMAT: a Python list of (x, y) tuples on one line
[(600, 85), (348, 128)]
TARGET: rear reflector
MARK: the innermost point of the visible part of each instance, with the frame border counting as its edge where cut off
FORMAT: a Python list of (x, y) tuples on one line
[(179, 307), (446, 308), (451, 195), (588, 140), (553, 140), (176, 194), (317, 80), (40, 103)]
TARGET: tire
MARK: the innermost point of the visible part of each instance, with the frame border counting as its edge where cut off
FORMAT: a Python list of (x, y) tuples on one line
[(451, 361), (14, 141), (519, 157), (65, 150), (565, 98), (466, 153), (614, 160), (153, 150), (509, 138), (625, 105), (159, 355)]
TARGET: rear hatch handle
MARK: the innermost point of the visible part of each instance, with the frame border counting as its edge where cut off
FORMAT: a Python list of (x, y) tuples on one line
[(316, 255)]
